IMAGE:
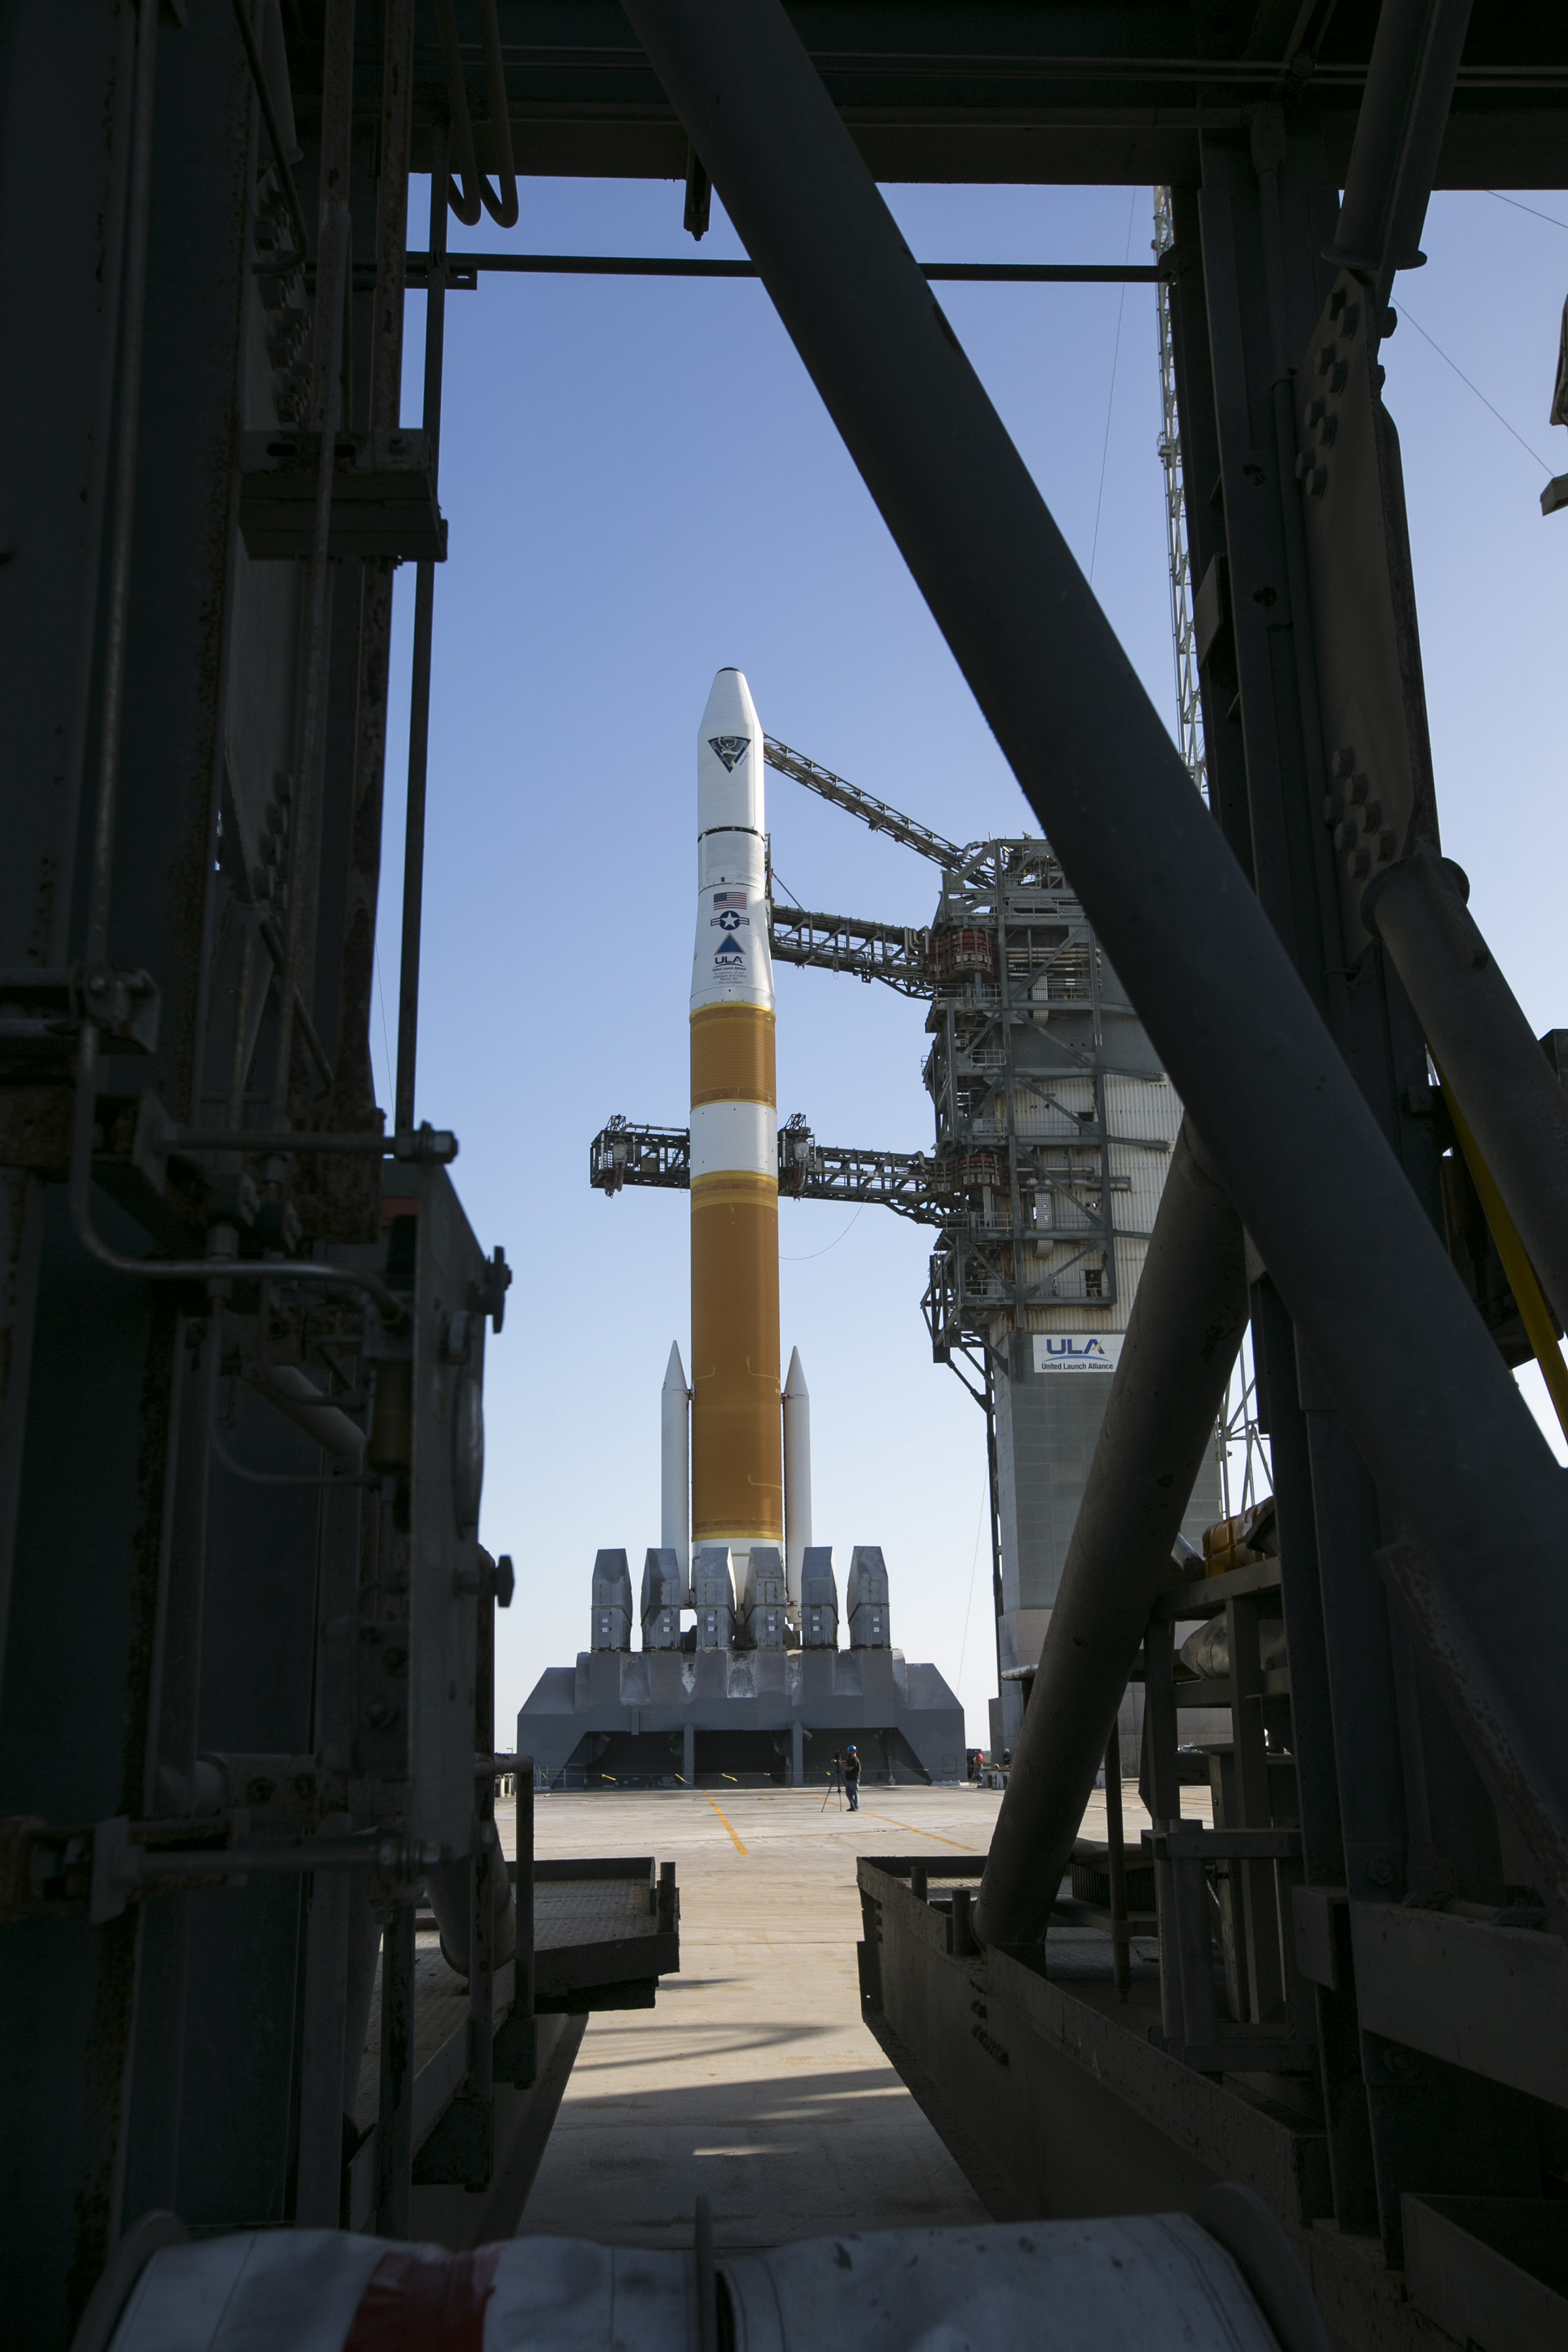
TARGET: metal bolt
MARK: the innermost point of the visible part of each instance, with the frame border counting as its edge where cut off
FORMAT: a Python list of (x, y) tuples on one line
[(1358, 789), (1333, 807), (1360, 864)]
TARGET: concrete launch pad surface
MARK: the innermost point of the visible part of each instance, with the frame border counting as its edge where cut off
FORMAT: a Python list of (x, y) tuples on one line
[(754, 2080)]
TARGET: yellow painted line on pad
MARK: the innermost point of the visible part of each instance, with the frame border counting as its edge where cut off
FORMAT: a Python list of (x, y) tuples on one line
[(916, 1833), (729, 1825)]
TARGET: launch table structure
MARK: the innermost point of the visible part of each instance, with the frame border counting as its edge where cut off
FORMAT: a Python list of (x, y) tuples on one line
[(244, 1319)]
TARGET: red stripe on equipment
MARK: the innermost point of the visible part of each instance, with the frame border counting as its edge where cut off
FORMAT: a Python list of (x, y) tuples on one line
[(417, 2301)]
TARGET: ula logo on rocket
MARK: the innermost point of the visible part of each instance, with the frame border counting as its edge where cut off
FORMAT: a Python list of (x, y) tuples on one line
[(730, 749)]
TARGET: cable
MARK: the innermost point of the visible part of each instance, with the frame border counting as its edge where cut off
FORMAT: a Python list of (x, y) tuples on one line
[(784, 1260), (1405, 313), (1110, 404), (1526, 208), (969, 1604)]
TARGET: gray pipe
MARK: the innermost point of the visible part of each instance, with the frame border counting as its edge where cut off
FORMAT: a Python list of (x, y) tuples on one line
[(1186, 1325), (1506, 1087), (1407, 1362), (293, 1393), (448, 1888), (1399, 129)]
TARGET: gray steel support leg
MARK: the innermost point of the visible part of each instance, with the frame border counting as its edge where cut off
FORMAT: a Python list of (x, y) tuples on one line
[(1365, 1278), (796, 1756), (689, 1756), (1187, 1326)]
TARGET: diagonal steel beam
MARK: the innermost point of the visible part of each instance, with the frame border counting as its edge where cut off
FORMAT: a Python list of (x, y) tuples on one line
[(1408, 1362)]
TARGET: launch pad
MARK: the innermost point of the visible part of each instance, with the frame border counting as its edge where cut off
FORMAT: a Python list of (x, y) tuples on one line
[(755, 1698)]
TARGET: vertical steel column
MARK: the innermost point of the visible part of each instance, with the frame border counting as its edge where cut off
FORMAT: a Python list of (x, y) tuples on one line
[(325, 2007), (335, 258), (1162, 1794), (522, 1978), (394, 2117), (1265, 626), (335, 1895), (1116, 1860), (127, 430), (353, 1099), (169, 1789), (424, 620), (1312, 1748), (1213, 646), (485, 1859)]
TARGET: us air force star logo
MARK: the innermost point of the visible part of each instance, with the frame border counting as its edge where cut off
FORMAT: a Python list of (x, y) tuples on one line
[(730, 749)]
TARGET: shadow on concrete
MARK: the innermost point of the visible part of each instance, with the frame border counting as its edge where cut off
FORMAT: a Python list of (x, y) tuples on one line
[(781, 2157)]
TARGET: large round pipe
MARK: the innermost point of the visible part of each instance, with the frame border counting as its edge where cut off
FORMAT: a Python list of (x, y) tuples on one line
[(1187, 1326), (294, 1394), (1487, 1050), (1408, 1362)]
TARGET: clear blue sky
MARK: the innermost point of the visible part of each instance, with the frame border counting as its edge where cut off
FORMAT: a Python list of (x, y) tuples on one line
[(642, 487)]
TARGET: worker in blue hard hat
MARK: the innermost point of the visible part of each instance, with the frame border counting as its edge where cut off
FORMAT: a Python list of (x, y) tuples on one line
[(852, 1775)]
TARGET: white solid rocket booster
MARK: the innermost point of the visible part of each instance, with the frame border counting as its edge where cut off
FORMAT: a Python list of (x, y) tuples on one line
[(798, 1476), (675, 1465)]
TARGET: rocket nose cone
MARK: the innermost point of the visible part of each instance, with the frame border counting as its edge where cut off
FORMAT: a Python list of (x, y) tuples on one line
[(730, 710), (730, 756), (796, 1384)]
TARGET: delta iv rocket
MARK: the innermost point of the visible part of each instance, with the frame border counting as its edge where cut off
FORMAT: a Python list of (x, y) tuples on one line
[(737, 1471)]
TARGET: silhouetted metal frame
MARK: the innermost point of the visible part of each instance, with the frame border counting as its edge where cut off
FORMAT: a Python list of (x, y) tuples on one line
[(1365, 1278)]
